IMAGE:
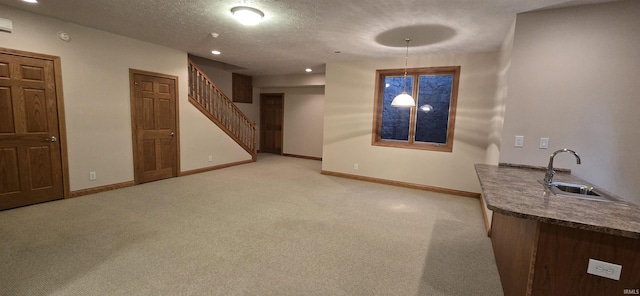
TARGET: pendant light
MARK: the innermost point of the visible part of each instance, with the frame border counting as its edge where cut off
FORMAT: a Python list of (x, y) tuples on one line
[(404, 99)]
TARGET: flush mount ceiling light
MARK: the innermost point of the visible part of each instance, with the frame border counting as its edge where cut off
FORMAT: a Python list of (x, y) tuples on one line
[(216, 52), (30, 1), (404, 99), (246, 15), (308, 70)]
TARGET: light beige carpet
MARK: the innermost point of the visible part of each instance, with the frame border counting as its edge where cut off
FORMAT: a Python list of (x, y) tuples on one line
[(274, 227)]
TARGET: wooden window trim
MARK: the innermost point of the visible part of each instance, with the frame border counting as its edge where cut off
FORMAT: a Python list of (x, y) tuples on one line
[(378, 102)]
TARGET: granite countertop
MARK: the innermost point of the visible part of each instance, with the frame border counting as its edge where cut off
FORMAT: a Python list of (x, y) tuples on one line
[(515, 191)]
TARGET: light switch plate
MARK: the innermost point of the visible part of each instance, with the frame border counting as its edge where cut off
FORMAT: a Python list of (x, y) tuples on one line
[(544, 143), (519, 141), (604, 269), (6, 25)]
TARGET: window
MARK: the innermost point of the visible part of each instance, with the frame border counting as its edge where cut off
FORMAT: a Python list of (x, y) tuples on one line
[(416, 128)]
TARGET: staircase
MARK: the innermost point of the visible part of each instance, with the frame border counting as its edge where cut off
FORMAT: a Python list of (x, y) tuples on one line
[(214, 104)]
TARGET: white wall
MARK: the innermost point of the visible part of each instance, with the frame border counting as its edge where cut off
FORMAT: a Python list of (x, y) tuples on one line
[(348, 119), (95, 77), (497, 120), (303, 119), (293, 80), (574, 78)]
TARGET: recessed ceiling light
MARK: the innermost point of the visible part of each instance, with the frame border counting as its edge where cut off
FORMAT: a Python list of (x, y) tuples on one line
[(247, 16), (216, 52), (30, 1), (308, 70)]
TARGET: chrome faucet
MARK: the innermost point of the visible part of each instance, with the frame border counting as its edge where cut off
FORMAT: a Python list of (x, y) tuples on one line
[(548, 177)]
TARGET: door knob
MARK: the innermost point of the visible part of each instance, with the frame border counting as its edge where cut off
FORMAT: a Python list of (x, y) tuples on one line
[(172, 134), (52, 139)]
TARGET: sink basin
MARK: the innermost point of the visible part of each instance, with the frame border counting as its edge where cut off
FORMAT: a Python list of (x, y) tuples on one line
[(579, 191), (573, 188)]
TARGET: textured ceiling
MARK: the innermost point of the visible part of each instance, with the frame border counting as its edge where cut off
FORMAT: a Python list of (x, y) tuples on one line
[(296, 34)]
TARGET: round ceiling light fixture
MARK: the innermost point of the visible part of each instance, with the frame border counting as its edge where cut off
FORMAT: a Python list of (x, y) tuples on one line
[(246, 15)]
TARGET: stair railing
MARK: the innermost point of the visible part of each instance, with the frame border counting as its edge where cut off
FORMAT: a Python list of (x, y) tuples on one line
[(214, 104)]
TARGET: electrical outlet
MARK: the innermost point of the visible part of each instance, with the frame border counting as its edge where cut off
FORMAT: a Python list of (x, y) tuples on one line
[(519, 141), (92, 175), (355, 166), (544, 143), (210, 158), (604, 269)]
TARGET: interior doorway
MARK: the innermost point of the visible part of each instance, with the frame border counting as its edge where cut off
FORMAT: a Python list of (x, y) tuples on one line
[(33, 163), (154, 123), (271, 122)]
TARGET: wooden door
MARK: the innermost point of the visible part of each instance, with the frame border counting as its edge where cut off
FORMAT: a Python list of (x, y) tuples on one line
[(271, 119), (154, 122), (30, 151)]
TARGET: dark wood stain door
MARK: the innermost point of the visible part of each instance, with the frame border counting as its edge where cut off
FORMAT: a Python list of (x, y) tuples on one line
[(30, 152), (154, 127), (271, 121)]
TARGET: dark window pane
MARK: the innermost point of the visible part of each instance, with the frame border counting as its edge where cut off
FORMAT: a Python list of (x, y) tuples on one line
[(435, 90), (395, 121)]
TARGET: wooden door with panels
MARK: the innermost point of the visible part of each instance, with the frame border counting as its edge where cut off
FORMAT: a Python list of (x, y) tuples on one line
[(31, 154), (154, 119), (271, 122)]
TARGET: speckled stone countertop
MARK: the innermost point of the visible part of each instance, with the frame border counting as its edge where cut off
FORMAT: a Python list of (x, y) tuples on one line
[(515, 191)]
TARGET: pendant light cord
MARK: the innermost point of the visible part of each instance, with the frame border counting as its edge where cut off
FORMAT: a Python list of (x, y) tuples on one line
[(406, 59)]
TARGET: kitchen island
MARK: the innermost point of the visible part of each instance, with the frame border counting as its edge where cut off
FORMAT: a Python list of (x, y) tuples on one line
[(543, 242)]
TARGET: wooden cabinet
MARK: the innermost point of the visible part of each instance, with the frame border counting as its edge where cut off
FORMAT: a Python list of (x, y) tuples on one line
[(536, 258), (242, 88)]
